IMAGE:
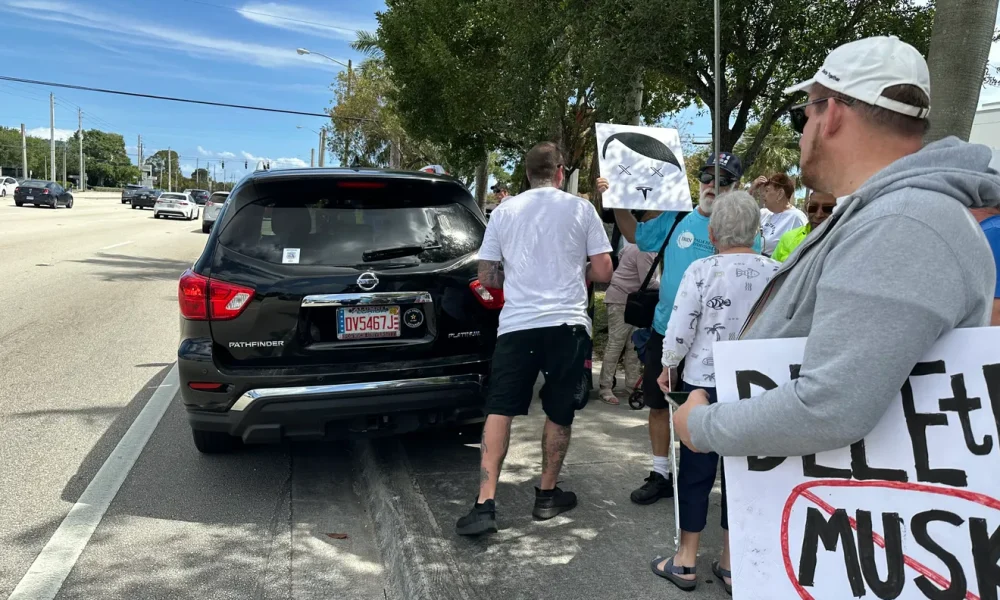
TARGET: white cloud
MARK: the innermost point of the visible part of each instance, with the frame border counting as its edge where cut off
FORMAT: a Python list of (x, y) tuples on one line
[(212, 154), (203, 152), (304, 20), (43, 132), (226, 155), (150, 34), (276, 163)]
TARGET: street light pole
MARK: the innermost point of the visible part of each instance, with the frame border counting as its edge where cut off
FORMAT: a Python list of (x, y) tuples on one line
[(322, 147), (350, 71)]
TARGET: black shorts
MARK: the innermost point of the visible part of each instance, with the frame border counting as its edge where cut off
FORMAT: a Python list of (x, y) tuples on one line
[(652, 395), (557, 352)]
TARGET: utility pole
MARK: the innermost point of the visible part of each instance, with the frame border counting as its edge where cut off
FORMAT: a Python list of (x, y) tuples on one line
[(322, 146), (347, 138), (79, 127), (24, 153), (52, 136), (312, 157), (64, 180), (138, 150), (170, 174), (213, 177), (197, 176)]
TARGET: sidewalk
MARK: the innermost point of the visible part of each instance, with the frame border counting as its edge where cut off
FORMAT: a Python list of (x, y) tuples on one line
[(599, 550)]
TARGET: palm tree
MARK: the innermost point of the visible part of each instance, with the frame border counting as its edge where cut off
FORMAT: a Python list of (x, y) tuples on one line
[(779, 154), (960, 47), (715, 329), (694, 318)]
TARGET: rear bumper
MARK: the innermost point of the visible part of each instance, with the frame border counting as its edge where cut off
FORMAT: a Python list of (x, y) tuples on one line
[(169, 212), (338, 411), (266, 406)]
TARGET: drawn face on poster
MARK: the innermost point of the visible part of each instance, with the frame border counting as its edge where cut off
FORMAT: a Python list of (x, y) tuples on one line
[(644, 167)]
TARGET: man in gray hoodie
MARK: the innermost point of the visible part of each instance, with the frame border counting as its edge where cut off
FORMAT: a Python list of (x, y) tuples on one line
[(900, 262)]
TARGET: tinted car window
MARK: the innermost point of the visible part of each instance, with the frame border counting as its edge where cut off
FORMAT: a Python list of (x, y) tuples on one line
[(35, 183), (342, 226), (219, 198), (171, 196)]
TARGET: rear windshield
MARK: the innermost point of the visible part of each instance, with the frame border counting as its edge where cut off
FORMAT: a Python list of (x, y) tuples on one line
[(317, 222), (35, 183), (173, 197), (220, 198), (132, 186)]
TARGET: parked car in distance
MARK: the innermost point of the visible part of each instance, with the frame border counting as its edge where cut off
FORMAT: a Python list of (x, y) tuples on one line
[(7, 185), (145, 198), (130, 191), (42, 193), (210, 212), (200, 197), (333, 303), (175, 204)]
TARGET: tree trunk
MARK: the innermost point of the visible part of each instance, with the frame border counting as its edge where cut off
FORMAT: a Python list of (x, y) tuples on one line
[(482, 178), (960, 47)]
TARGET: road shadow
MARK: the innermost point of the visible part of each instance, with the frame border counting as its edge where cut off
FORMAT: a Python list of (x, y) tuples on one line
[(121, 267)]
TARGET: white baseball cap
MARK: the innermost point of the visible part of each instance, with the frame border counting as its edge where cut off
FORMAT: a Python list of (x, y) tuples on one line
[(864, 69)]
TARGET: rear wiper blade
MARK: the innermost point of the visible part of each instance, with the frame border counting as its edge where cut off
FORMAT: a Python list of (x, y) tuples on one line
[(397, 252)]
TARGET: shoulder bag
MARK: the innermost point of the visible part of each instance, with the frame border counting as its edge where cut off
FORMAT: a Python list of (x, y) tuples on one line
[(640, 306)]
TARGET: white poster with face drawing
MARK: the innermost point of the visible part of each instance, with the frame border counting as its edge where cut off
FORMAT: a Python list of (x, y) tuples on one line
[(644, 167), (912, 511)]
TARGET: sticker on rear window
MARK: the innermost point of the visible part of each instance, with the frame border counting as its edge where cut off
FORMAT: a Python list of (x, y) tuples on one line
[(290, 256)]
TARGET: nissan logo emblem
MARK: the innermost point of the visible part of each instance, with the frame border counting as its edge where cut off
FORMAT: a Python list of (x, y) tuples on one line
[(367, 281)]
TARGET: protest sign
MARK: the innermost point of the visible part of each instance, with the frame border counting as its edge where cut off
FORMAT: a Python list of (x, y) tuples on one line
[(911, 511), (644, 167)]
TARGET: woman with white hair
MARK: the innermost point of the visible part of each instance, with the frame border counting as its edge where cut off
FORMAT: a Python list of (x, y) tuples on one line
[(714, 299)]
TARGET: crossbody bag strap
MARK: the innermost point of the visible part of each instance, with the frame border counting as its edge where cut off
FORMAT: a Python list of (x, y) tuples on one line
[(663, 249)]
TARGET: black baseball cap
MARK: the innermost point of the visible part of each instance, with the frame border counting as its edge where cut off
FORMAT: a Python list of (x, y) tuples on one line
[(730, 163)]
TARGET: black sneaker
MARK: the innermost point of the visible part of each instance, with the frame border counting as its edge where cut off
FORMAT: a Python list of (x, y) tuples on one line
[(481, 519), (657, 486), (549, 503)]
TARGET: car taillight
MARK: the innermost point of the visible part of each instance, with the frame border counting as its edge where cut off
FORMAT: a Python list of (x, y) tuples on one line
[(45, 191), (209, 203), (204, 299), (491, 298), (17, 189)]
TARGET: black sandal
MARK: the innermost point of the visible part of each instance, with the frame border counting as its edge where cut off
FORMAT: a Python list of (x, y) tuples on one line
[(721, 574), (670, 572)]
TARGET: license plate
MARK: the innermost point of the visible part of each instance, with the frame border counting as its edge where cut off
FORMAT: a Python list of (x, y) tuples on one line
[(368, 322), (29, 198)]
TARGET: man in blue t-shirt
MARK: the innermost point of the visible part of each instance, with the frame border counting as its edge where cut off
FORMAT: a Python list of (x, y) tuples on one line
[(688, 243)]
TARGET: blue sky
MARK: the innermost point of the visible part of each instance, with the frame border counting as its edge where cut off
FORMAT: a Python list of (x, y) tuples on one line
[(238, 51), (241, 52)]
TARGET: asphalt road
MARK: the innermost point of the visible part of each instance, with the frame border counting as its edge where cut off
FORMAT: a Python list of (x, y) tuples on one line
[(88, 338)]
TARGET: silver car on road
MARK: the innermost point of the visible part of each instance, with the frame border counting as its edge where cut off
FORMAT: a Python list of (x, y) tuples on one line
[(212, 209)]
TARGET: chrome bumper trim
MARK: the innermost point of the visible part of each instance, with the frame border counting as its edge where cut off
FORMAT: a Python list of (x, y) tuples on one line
[(366, 299), (402, 385)]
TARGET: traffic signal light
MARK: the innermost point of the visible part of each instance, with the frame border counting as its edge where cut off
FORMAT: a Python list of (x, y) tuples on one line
[(245, 164), (223, 164)]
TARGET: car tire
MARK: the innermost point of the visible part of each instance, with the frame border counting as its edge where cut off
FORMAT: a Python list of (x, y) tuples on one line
[(205, 228), (214, 442), (70, 203), (54, 205), (3, 193), (133, 206), (19, 204), (156, 215)]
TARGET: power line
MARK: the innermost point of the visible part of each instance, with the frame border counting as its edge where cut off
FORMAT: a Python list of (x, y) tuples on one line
[(174, 99), (273, 16)]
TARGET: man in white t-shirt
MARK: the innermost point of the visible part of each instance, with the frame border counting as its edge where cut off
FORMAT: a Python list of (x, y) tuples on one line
[(536, 248), (778, 215)]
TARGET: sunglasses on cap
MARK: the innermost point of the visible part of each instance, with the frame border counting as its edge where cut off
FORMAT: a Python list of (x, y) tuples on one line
[(708, 176), (815, 208), (797, 114)]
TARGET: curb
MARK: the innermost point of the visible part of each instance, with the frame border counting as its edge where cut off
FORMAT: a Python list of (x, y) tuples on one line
[(418, 562)]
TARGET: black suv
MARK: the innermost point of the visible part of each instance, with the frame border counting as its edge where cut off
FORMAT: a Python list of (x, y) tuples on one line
[(332, 303)]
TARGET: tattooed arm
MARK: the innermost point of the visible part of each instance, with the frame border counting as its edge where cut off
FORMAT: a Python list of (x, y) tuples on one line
[(491, 274)]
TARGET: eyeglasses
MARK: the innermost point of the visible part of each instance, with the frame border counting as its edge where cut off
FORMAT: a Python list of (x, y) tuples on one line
[(708, 176), (815, 208), (797, 113)]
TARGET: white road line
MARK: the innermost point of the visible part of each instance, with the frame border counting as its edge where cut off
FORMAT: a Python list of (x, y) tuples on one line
[(117, 245), (46, 575)]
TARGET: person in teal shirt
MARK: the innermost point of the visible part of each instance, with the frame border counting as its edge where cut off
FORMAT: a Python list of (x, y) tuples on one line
[(819, 208), (688, 243)]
